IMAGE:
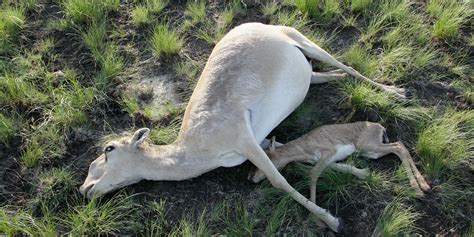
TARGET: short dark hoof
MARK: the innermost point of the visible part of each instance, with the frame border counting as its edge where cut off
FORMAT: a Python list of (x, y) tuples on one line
[(342, 226)]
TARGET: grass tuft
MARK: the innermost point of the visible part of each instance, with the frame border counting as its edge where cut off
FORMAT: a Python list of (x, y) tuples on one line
[(446, 141), (117, 214), (12, 20), (89, 10), (52, 188), (396, 219), (140, 15), (165, 41), (196, 10), (24, 223), (449, 16), (7, 128)]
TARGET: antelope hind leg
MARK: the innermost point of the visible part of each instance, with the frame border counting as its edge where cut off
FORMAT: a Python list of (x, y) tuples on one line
[(323, 77)]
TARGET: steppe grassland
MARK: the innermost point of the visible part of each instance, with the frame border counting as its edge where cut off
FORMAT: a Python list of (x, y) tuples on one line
[(64, 71)]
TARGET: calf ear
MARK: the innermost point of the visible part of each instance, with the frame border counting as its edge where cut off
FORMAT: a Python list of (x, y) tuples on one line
[(139, 136)]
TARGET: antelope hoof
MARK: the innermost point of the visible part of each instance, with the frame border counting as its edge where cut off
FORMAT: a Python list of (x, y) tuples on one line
[(255, 176), (342, 226), (364, 173)]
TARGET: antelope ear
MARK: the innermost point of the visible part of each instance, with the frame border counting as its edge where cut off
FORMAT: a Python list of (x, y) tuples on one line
[(139, 136), (272, 144)]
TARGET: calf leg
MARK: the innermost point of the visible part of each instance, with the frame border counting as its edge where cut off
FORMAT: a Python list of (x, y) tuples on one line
[(345, 168), (327, 157), (375, 151)]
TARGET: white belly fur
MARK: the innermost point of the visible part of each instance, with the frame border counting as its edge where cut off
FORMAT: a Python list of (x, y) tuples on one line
[(289, 91)]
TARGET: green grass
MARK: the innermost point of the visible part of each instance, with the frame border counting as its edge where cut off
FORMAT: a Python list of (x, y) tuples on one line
[(156, 6), (89, 10), (140, 15), (21, 222), (117, 214), (157, 219), (360, 96), (310, 7), (236, 219), (53, 188), (43, 145), (95, 37), (130, 104), (449, 16), (362, 61), (17, 91), (269, 8), (446, 141), (165, 135), (360, 5), (72, 101), (7, 128), (196, 10), (165, 41), (12, 20), (396, 219)]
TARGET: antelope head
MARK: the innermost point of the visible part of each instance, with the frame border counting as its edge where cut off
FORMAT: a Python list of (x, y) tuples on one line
[(117, 166)]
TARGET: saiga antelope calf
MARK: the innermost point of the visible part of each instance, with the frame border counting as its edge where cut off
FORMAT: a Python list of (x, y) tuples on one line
[(331, 143), (254, 78)]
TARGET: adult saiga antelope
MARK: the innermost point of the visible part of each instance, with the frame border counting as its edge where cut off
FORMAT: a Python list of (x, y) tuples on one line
[(331, 143), (254, 78)]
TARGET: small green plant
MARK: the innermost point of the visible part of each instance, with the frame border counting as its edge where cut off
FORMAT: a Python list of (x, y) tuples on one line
[(165, 41), (236, 219), (361, 60), (196, 10), (7, 129), (71, 101), (157, 219), (83, 10), (44, 144), (52, 188), (12, 20), (396, 219), (140, 15), (165, 135), (95, 217), (32, 154), (187, 228), (156, 6), (94, 38), (269, 9), (310, 7), (111, 64), (21, 222), (449, 16), (360, 5), (446, 141), (130, 104), (89, 10)]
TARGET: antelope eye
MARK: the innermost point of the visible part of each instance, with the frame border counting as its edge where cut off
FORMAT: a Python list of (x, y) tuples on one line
[(109, 148)]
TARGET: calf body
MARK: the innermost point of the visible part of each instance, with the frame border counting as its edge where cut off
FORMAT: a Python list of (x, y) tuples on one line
[(331, 143)]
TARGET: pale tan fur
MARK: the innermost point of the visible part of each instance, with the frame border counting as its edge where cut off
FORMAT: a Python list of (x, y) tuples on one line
[(321, 145), (229, 114)]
